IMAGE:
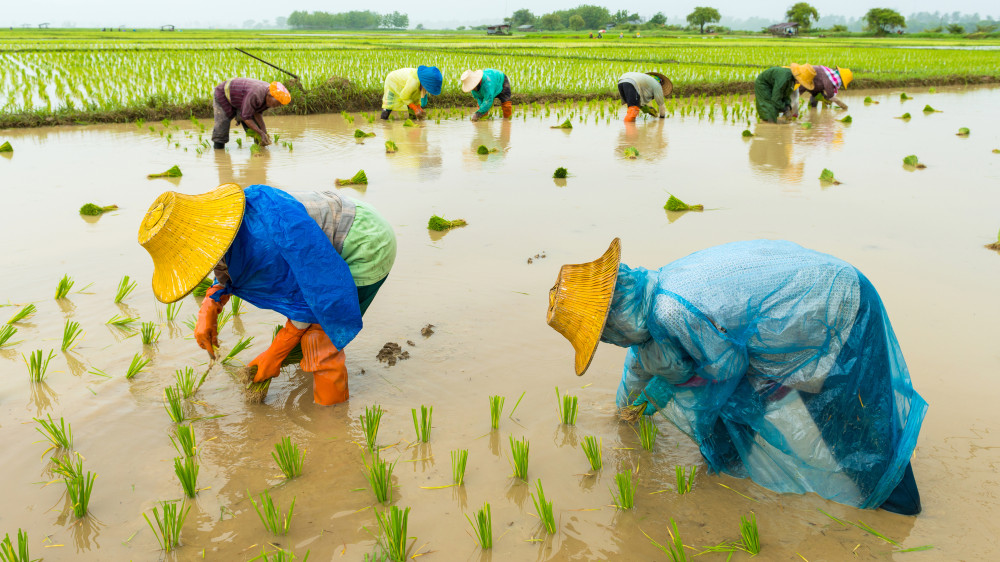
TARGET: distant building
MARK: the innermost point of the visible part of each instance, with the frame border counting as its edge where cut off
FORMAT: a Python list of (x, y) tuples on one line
[(502, 29), (526, 28), (167, 27), (787, 29), (43, 26)]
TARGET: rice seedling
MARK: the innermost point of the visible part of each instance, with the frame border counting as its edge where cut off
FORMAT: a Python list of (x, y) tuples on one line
[(6, 332), (79, 488), (567, 124), (846, 119), (149, 333), (647, 432), (37, 366), (270, 514), (592, 448), (173, 172), (393, 525), (869, 100), (92, 210), (172, 404), (746, 133), (458, 459), (379, 475), (567, 408), (440, 223), (235, 306), (168, 529), (390, 147), (71, 331), (409, 123), (929, 109), (184, 441), (280, 555), (7, 551), (187, 382), (496, 408), (685, 478), (675, 204), (242, 344), (120, 321), (288, 457), (358, 179), (827, 176), (186, 469), (423, 428), (359, 134), (60, 436), (912, 160), (963, 132), (65, 284), (519, 457), (904, 97), (623, 495), (65, 467), (806, 125), (136, 366), (25, 312), (904, 117), (6, 147), (560, 173), (202, 287), (749, 534), (631, 152), (675, 549), (544, 509), (370, 420), (483, 150), (483, 526), (125, 288)]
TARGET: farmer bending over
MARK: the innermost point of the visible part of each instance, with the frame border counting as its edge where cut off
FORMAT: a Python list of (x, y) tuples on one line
[(638, 91), (774, 87), (316, 257), (245, 99), (778, 361), (828, 82), (410, 88), (485, 86)]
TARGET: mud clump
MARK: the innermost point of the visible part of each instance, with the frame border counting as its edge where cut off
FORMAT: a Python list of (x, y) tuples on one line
[(537, 257), (391, 353), (427, 331)]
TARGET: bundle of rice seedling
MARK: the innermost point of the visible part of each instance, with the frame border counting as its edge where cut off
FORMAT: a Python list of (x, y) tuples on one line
[(359, 134), (675, 204), (564, 125), (963, 132), (409, 123), (358, 179), (929, 109), (827, 176), (6, 147), (92, 210), (846, 119), (255, 392), (439, 223), (173, 172), (390, 147), (631, 152), (560, 173)]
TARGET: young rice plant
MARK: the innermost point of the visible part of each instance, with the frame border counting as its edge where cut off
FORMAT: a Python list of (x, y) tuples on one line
[(423, 428), (544, 509), (186, 470), (623, 495), (270, 514), (519, 457), (496, 408), (483, 527), (184, 441), (393, 523), (458, 459), (71, 331), (685, 479), (168, 529), (592, 448), (567, 408), (288, 457), (370, 420), (136, 366), (37, 365), (125, 288), (379, 475), (647, 432), (173, 405), (65, 284), (60, 436)]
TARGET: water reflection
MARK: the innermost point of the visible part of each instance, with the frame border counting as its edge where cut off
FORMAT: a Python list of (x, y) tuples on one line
[(419, 152), (42, 397), (649, 139), (772, 150), (252, 171)]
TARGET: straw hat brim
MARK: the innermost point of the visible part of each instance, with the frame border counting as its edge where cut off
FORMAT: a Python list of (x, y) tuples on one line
[(471, 79), (580, 301), (187, 235), (804, 75), (665, 83)]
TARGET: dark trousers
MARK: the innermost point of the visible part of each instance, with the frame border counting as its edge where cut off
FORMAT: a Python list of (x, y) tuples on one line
[(505, 94), (629, 94), (367, 293)]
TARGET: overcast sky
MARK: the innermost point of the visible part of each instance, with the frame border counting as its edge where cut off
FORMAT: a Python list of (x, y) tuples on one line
[(203, 13)]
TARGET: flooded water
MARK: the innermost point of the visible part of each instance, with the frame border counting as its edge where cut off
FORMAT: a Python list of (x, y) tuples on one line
[(917, 234)]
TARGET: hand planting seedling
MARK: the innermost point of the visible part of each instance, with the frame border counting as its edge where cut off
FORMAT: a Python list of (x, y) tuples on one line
[(483, 527), (370, 420), (647, 432), (6, 147), (184, 441), (136, 366), (150, 333), (359, 134), (173, 405), (623, 495), (675, 204), (60, 436), (912, 160), (685, 479), (458, 460), (65, 284), (963, 132), (393, 523), (482, 150), (25, 312), (544, 509), (37, 365), (560, 173), (173, 172), (288, 457), (564, 125), (496, 408), (519, 457), (390, 147), (631, 152), (929, 109), (439, 223), (270, 514), (423, 428), (827, 176), (71, 331), (846, 119), (567, 408), (592, 449), (168, 529), (125, 288), (358, 179), (92, 210)]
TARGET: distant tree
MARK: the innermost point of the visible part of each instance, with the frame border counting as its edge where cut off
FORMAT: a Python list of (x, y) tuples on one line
[(986, 27), (803, 14), (881, 20), (460, 28), (522, 17), (955, 29), (702, 15), (281, 22), (395, 20), (658, 19), (838, 28), (576, 22), (593, 16), (419, 26), (550, 22)]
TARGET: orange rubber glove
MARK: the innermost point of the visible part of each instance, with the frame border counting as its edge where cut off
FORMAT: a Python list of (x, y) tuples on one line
[(206, 332), (418, 111), (269, 363)]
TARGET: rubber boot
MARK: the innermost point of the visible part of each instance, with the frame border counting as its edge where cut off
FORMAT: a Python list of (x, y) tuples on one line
[(327, 364), (508, 109), (632, 113), (218, 145), (385, 114)]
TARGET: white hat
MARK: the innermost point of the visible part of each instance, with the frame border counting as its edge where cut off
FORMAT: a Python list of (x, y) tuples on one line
[(470, 79)]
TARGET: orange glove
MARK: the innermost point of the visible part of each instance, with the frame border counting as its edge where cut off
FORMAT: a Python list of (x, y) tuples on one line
[(206, 332), (269, 363), (418, 111)]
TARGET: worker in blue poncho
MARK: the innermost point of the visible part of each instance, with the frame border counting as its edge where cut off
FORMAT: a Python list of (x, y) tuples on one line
[(485, 86), (317, 258), (778, 361), (410, 88)]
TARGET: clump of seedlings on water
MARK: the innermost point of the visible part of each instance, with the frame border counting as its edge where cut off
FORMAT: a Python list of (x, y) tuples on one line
[(390, 147), (423, 428), (903, 97), (519, 457), (270, 514), (904, 117), (186, 469), (685, 478), (592, 448), (6, 147), (92, 210), (929, 109), (125, 288), (746, 133), (136, 366), (168, 528), (173, 172), (71, 332), (675, 548), (544, 509), (827, 176), (962, 132), (358, 179), (409, 123), (440, 223), (631, 152), (79, 488), (846, 119), (370, 420), (647, 432), (64, 287), (288, 457), (567, 124), (496, 408), (483, 527), (459, 458), (172, 404), (359, 134), (59, 435), (25, 312), (150, 333), (483, 150), (187, 382), (560, 173), (623, 494), (675, 204), (37, 364), (393, 523), (869, 100), (913, 161), (567, 408), (184, 440)]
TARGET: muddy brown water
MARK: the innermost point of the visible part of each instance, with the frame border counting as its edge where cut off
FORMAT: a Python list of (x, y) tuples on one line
[(918, 235)]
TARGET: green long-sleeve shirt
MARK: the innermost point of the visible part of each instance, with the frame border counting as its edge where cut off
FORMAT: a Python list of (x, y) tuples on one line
[(773, 92)]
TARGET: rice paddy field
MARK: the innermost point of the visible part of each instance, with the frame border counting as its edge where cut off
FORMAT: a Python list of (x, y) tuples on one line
[(467, 435)]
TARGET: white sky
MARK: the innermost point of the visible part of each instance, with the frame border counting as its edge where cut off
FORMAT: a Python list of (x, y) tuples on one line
[(201, 13)]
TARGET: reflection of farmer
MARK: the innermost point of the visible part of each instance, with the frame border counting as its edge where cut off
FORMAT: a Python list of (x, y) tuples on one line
[(773, 90), (485, 86), (828, 82), (245, 99), (638, 91), (778, 361), (316, 257), (410, 88)]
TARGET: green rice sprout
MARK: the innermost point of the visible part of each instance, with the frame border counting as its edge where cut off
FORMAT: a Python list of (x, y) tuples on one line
[(242, 344), (184, 440), (6, 147), (868, 100), (236, 305), (560, 173), (675, 204), (172, 404), (390, 147), (904, 97), (6, 332), (60, 436), (647, 432), (519, 457), (409, 123), (458, 459), (904, 117), (393, 523), (567, 408), (7, 551), (359, 134), (623, 495), (483, 527), (379, 475), (685, 478), (806, 125), (79, 488), (370, 420), (224, 318), (92, 210), (963, 132), (173, 309), (168, 529), (483, 150), (188, 382), (25, 312), (37, 366), (749, 534), (125, 287), (136, 366), (186, 470), (746, 133), (423, 428), (149, 333), (65, 284), (440, 223), (567, 124), (631, 152), (827, 176), (120, 321), (173, 172), (592, 448), (675, 549), (65, 467), (846, 119), (289, 457), (544, 509), (496, 408), (929, 109), (912, 160), (270, 514), (71, 331), (280, 555), (202, 287), (359, 178)]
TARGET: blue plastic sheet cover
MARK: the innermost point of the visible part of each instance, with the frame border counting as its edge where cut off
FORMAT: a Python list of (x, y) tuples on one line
[(281, 260), (778, 361)]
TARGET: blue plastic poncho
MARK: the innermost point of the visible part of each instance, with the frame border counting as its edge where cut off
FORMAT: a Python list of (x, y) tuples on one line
[(778, 361), (281, 260)]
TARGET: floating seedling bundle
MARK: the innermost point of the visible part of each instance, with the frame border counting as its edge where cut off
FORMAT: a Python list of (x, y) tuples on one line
[(912, 160), (483, 150), (846, 119), (359, 178), (904, 97), (747, 133), (409, 123), (929, 109), (675, 204), (359, 134), (963, 132), (173, 172), (827, 176), (631, 152), (92, 210), (567, 124), (390, 147), (904, 117), (6, 147), (560, 173), (440, 223)]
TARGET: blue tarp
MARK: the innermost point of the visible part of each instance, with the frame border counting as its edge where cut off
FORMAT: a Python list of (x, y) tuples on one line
[(778, 361), (281, 260)]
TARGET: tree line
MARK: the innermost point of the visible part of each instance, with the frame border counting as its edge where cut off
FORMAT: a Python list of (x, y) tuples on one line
[(348, 20)]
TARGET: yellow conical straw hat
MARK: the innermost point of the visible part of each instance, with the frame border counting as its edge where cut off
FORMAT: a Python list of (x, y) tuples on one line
[(579, 302), (187, 235)]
